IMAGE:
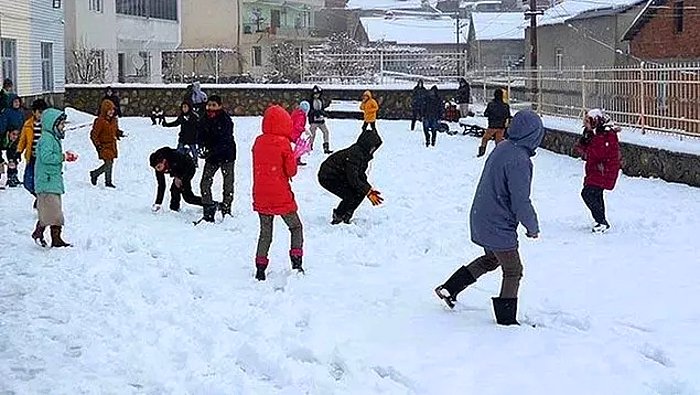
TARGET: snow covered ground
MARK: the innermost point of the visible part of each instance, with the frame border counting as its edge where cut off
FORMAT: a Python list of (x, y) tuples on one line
[(147, 303)]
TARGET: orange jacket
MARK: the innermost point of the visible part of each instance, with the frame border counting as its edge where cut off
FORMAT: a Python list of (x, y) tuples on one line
[(104, 132), (369, 107), (26, 139)]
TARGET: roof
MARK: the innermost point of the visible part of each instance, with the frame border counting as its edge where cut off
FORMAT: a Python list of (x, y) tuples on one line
[(386, 4), (578, 9), (414, 30), (499, 25), (642, 18)]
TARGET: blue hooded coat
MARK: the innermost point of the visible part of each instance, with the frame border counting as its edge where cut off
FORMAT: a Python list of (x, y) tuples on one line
[(48, 170), (502, 199), (11, 118)]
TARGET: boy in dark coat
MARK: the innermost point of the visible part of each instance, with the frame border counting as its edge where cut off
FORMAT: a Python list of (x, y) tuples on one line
[(344, 175), (498, 113), (464, 97), (317, 119), (12, 122), (219, 147), (432, 113), (502, 201), (188, 121), (181, 168), (7, 87), (417, 102)]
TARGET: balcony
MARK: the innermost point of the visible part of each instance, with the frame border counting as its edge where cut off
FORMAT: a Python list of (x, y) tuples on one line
[(283, 32)]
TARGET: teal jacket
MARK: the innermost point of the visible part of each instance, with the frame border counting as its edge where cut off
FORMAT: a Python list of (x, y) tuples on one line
[(48, 170)]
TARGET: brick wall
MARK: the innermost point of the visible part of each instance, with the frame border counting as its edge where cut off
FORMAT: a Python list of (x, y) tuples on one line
[(658, 39)]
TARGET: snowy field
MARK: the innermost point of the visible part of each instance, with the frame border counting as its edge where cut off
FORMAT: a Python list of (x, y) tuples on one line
[(148, 304)]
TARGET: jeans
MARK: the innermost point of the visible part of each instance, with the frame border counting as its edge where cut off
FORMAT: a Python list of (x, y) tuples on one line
[(29, 176), (430, 128), (415, 116), (210, 169), (190, 150)]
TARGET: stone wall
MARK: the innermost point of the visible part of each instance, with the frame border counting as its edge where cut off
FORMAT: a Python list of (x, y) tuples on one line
[(638, 161)]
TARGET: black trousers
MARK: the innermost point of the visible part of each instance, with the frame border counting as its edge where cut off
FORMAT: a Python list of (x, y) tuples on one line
[(351, 199), (415, 117), (184, 192), (593, 197), (372, 125)]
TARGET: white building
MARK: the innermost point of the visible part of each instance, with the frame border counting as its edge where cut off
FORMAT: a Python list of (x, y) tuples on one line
[(119, 40), (32, 41)]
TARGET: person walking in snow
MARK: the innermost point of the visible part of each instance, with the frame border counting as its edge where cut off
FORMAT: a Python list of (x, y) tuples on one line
[(111, 95), (344, 175), (182, 169), (464, 97), (432, 113), (48, 177), (600, 148), (104, 136), (8, 147), (219, 148), (198, 99), (31, 133), (498, 114), (188, 121), (502, 201), (369, 109), (12, 120), (417, 103), (299, 115), (317, 119), (274, 165)]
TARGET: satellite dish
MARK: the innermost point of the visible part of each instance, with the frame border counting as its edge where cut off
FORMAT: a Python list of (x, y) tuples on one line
[(137, 61)]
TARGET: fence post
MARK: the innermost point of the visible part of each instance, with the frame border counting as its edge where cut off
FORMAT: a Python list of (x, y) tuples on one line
[(510, 97), (216, 56), (583, 89), (484, 80), (301, 65), (642, 112), (381, 67), (539, 89)]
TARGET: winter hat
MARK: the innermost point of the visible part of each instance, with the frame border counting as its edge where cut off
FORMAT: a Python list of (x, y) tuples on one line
[(316, 89), (305, 106), (595, 113), (277, 121)]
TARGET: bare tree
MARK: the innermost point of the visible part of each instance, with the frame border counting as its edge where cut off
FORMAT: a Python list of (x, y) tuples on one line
[(89, 65)]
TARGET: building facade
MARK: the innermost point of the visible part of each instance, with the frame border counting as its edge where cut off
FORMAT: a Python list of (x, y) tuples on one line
[(120, 40), (32, 47)]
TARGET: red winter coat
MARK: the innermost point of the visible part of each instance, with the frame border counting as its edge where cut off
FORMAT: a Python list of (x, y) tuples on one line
[(274, 165), (602, 155), (298, 123)]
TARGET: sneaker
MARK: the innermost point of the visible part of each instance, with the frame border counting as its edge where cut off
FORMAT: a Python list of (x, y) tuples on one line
[(600, 228), (110, 185), (444, 294)]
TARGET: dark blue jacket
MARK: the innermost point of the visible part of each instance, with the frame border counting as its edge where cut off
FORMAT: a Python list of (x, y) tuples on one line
[(11, 119), (217, 137), (502, 199)]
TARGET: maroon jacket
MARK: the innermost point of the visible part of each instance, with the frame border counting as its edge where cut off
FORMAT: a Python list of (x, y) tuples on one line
[(602, 155)]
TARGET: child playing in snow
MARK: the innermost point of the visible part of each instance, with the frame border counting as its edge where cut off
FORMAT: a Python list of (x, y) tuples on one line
[(498, 114), (104, 135), (8, 146), (31, 133), (48, 181), (188, 121), (317, 118), (157, 116), (273, 166), (181, 168), (369, 108), (600, 148), (344, 175), (501, 202), (299, 126)]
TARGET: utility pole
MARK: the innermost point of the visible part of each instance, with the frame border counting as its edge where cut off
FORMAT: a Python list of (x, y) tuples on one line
[(532, 14), (459, 63)]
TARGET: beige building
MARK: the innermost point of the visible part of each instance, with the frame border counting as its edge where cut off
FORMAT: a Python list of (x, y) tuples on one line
[(235, 36)]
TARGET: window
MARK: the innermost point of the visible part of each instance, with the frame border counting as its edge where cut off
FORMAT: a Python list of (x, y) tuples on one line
[(275, 21), (678, 15), (257, 56), (96, 5), (57, 4), (47, 67), (157, 9), (509, 60), (559, 58), (9, 59), (121, 67), (145, 70)]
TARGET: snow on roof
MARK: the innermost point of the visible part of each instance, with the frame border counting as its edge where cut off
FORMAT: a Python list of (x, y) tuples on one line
[(384, 4), (499, 25), (413, 30), (569, 9)]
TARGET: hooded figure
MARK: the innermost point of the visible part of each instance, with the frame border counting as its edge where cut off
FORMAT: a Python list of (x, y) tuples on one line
[(104, 135), (369, 107), (48, 177), (317, 118), (12, 117), (299, 126), (273, 167), (600, 148), (501, 203), (344, 175), (111, 95), (417, 102)]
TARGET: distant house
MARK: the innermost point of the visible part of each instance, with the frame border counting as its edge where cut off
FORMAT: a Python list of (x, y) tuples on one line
[(577, 33), (499, 39), (375, 7), (436, 34), (666, 31)]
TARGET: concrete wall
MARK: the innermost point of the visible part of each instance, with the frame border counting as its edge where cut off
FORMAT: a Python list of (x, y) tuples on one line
[(638, 161), (489, 53)]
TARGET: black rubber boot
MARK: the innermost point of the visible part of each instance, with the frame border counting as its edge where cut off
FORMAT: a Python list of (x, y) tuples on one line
[(505, 309), (326, 149), (296, 263), (260, 272), (457, 282), (209, 212)]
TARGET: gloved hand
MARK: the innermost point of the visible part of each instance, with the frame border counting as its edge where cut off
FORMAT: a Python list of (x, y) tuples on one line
[(177, 182), (203, 152), (70, 156), (155, 208), (374, 197)]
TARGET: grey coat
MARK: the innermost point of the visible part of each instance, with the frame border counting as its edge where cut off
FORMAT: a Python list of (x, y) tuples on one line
[(502, 199)]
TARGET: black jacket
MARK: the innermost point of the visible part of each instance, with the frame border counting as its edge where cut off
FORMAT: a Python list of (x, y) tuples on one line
[(498, 113), (434, 106), (316, 114), (188, 123), (464, 95), (216, 137), (349, 165), (117, 104), (418, 98), (179, 166)]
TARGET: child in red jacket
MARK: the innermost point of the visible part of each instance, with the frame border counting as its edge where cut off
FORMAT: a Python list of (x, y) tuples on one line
[(274, 165), (299, 115), (600, 149)]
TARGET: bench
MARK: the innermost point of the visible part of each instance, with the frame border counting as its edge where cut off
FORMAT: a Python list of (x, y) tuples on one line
[(473, 126)]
